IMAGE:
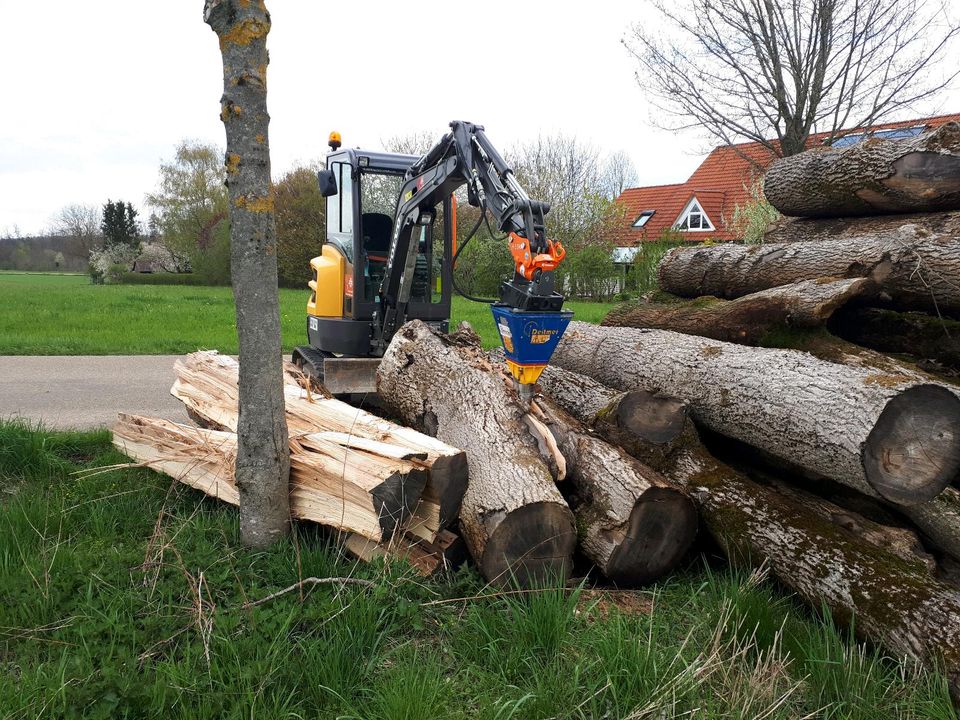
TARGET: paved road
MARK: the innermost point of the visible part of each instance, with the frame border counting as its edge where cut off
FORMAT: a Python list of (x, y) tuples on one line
[(87, 391)]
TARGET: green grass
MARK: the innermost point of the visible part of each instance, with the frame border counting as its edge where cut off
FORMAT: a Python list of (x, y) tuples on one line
[(67, 315), (121, 597)]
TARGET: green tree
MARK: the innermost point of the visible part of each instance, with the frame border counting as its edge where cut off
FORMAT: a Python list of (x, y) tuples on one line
[(301, 224), (189, 206), (119, 225)]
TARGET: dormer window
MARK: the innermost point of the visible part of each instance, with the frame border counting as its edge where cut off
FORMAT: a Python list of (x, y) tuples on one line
[(643, 217), (693, 218)]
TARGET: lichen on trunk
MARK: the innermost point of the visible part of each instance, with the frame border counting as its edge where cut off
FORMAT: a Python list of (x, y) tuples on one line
[(263, 455)]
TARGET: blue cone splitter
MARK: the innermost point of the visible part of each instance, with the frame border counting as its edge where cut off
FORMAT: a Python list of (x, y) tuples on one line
[(529, 339)]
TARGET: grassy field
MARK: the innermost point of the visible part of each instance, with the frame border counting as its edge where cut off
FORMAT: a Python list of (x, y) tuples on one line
[(122, 596), (66, 315)]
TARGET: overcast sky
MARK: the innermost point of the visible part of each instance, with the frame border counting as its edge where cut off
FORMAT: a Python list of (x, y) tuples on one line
[(100, 92)]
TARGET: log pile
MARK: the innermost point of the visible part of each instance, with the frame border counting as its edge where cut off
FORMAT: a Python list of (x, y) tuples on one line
[(541, 483), (821, 367)]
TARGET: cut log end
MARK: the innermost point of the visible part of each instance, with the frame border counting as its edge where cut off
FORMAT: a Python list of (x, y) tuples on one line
[(655, 418), (531, 547), (661, 528), (913, 451)]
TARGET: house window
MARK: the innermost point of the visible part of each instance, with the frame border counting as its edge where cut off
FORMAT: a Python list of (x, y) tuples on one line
[(693, 218), (892, 134), (643, 217)]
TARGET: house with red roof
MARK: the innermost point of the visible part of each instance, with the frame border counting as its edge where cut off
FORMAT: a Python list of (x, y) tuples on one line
[(702, 208)]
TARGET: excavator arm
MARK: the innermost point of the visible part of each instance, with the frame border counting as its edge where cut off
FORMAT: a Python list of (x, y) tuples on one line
[(464, 156)]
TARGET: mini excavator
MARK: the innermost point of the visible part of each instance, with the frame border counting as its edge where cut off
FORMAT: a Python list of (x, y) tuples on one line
[(391, 249)]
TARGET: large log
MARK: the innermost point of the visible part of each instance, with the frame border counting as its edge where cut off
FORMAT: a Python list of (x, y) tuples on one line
[(913, 271), (352, 490), (944, 226), (632, 523), (872, 177), (893, 600), (938, 519), (923, 336), (206, 382), (891, 436), (748, 319), (515, 522)]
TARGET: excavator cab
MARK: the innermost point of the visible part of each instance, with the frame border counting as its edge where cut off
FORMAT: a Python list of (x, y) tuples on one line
[(361, 191)]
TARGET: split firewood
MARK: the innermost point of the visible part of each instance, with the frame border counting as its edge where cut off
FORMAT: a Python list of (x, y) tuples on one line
[(943, 226), (918, 174), (911, 270), (748, 319), (206, 382), (447, 552), (514, 520), (890, 436), (330, 484), (894, 600)]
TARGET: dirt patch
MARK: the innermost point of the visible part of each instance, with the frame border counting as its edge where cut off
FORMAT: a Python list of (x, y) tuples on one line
[(600, 603)]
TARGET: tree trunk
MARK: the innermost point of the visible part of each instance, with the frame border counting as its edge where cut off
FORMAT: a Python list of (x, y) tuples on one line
[(206, 382), (919, 174), (632, 523), (894, 601), (913, 272), (350, 490), (263, 455), (945, 226), (931, 339), (514, 520), (746, 320), (885, 435)]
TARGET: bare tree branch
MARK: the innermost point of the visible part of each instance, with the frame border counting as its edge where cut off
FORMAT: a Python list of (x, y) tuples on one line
[(776, 71)]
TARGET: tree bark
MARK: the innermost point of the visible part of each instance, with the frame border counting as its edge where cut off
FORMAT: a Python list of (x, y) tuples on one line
[(939, 519), (748, 319), (913, 272), (633, 525), (945, 225), (890, 436), (263, 455), (514, 520), (206, 382), (923, 336), (894, 600), (350, 490), (919, 174)]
